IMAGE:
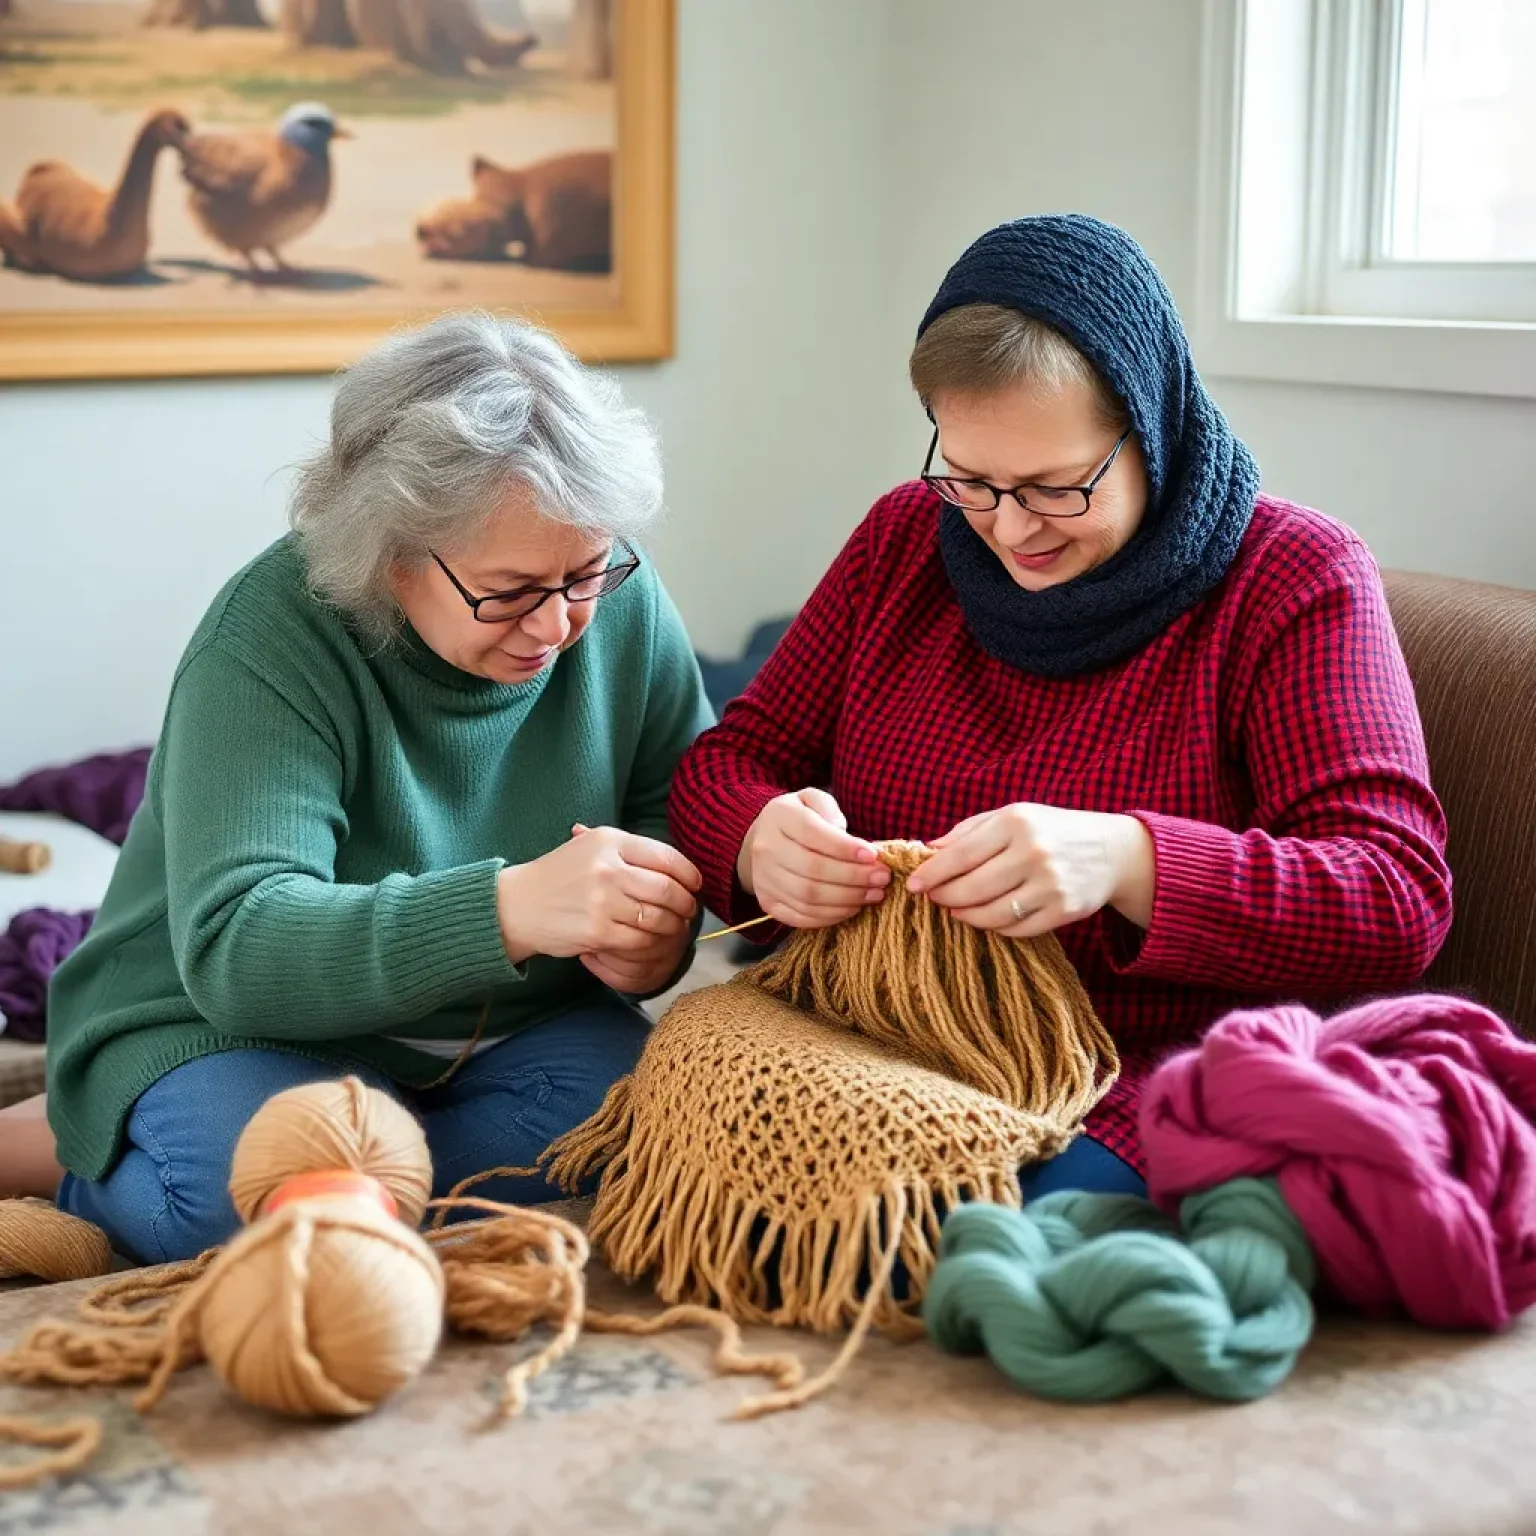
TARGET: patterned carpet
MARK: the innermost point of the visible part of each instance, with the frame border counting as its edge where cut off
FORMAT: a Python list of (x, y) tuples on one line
[(1381, 1430)]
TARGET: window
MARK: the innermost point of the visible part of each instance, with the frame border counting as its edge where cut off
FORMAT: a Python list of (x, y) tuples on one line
[(1461, 145), (1369, 193)]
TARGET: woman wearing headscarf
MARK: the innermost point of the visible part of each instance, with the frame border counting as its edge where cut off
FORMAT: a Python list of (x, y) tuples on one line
[(1130, 700)]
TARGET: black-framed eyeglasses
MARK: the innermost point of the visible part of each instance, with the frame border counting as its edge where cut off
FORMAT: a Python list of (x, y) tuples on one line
[(499, 607), (1042, 500)]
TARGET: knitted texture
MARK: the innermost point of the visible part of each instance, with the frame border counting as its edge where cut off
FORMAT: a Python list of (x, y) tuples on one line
[(1300, 850), (1087, 1297), (1096, 285), (325, 1303), (1398, 1132), (762, 1161), (780, 1165)]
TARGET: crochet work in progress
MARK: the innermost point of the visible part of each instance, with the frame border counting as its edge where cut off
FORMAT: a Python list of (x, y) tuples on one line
[(777, 1163)]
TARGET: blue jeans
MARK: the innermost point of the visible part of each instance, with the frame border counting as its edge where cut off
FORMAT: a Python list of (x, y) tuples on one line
[(1086, 1164), (167, 1197)]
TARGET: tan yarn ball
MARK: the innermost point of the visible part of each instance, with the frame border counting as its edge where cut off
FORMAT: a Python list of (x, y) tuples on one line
[(324, 1126), (324, 1309), (37, 1238), (330, 1304)]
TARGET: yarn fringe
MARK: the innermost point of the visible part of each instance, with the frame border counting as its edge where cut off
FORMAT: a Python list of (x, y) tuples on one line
[(708, 1247), (596, 1144), (1007, 1016)]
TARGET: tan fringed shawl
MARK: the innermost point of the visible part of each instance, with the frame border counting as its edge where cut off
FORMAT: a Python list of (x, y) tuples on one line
[(788, 1136)]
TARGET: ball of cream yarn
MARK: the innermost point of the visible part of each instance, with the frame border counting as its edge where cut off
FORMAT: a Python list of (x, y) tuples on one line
[(329, 1304)]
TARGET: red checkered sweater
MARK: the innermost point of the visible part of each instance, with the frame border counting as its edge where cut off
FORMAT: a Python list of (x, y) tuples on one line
[(1268, 739)]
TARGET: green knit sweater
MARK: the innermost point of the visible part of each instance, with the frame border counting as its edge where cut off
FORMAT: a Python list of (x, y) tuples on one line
[(314, 865)]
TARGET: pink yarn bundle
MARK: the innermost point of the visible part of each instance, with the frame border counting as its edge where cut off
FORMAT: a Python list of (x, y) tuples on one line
[(1399, 1132)]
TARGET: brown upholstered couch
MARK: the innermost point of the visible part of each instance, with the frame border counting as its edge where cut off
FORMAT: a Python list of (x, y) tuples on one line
[(1471, 649)]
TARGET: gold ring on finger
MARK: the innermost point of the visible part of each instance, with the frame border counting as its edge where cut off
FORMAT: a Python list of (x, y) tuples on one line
[(1016, 909)]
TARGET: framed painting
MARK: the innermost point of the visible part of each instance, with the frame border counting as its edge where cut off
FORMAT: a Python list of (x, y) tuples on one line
[(266, 186)]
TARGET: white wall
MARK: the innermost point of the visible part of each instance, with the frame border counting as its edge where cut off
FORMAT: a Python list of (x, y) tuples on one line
[(1031, 106), (140, 499)]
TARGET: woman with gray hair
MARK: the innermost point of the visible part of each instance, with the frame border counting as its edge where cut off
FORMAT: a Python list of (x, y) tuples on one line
[(406, 812)]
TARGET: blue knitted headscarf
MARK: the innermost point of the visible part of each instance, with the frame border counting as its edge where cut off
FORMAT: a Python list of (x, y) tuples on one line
[(1096, 285)]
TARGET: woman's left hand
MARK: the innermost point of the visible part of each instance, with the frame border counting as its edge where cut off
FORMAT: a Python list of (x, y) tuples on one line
[(640, 971), (1026, 869), (637, 972)]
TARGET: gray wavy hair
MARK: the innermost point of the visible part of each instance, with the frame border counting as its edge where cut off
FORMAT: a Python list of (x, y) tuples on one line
[(431, 429)]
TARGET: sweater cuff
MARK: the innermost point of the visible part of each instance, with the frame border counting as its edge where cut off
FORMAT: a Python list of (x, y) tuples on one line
[(1192, 898), (446, 940), (733, 820)]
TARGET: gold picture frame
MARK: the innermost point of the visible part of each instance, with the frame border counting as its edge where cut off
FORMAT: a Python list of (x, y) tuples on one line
[(110, 340)]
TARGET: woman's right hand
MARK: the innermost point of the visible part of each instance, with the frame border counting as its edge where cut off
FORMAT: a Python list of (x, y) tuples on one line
[(605, 891), (804, 868)]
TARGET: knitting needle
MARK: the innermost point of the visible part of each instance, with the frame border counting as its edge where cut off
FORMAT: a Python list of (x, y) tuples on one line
[(721, 933)]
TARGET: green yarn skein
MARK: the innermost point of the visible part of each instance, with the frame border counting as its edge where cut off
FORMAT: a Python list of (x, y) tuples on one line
[(1085, 1297)]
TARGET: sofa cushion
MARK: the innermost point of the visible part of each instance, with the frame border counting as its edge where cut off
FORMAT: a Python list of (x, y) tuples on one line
[(1471, 650)]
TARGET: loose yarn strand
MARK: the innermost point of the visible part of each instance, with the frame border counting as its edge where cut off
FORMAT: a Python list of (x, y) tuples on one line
[(795, 1395), (77, 1440), (520, 1266), (882, 1069)]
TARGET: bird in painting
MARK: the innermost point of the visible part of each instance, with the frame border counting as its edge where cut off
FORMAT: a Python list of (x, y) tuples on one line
[(259, 190), (64, 224)]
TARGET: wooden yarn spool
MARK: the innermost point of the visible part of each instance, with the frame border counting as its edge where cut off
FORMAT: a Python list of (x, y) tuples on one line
[(24, 858)]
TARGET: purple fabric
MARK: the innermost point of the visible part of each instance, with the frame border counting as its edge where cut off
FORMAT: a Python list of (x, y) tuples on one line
[(101, 793), (31, 950)]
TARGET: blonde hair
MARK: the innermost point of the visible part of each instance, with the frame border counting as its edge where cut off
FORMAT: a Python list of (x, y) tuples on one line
[(980, 349)]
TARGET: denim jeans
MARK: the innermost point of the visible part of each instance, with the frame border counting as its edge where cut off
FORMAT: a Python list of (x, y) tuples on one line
[(167, 1197), (1086, 1164)]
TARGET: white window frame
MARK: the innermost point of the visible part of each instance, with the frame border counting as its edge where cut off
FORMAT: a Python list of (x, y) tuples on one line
[(1291, 282)]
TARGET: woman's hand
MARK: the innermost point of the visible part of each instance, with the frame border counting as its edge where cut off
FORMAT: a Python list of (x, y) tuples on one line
[(800, 863), (640, 972), (1025, 870), (622, 902)]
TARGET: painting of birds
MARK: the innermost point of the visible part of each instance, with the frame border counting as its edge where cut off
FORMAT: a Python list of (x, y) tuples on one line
[(508, 155), (64, 224), (259, 190)]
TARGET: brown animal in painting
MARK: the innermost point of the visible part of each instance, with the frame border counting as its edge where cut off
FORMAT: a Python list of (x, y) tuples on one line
[(559, 210), (64, 224), (259, 191), (464, 229)]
